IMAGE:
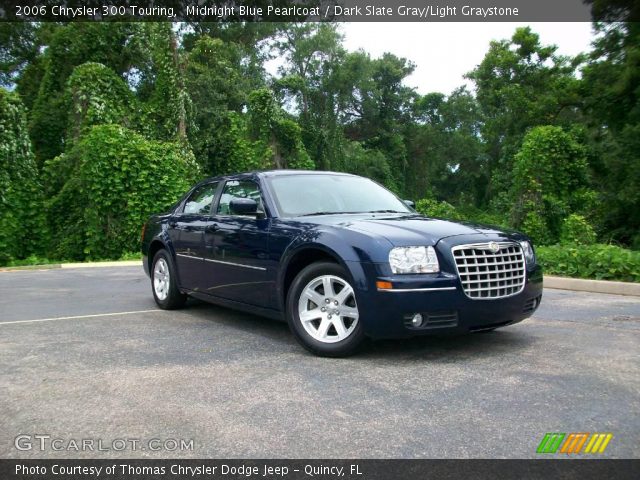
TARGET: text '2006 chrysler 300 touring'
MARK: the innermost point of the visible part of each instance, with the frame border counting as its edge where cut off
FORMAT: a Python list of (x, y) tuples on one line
[(339, 257)]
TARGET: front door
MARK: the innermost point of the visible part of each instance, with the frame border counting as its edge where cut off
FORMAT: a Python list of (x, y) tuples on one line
[(236, 248)]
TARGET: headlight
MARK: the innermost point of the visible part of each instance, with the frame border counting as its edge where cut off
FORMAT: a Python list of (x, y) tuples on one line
[(527, 249), (413, 260)]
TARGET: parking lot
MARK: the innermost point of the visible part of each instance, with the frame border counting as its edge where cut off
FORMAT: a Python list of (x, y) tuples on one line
[(85, 354)]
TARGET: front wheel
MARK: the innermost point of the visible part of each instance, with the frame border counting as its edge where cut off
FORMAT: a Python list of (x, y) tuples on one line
[(322, 311), (164, 282)]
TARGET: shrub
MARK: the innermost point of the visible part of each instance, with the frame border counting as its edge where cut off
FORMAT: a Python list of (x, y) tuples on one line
[(98, 95), (119, 179), (21, 229), (535, 226), (577, 230), (484, 217), (549, 170), (602, 262), (433, 208)]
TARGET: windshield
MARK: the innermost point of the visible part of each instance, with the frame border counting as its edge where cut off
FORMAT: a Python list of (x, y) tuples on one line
[(298, 195)]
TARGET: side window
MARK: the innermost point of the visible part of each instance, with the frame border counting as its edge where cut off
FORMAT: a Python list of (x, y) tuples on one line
[(239, 189), (200, 200)]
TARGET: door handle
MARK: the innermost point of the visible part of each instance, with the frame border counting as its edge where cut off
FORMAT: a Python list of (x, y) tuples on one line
[(211, 228), (172, 223)]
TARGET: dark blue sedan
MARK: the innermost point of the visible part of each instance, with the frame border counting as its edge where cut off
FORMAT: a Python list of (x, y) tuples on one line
[(339, 257)]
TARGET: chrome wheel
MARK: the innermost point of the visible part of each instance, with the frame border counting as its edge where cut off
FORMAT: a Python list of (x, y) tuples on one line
[(327, 309), (161, 279)]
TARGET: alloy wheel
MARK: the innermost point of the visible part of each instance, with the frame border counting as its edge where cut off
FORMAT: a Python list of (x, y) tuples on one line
[(327, 309), (161, 279)]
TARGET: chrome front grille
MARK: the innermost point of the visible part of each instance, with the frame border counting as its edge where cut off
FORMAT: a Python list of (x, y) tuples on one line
[(490, 270)]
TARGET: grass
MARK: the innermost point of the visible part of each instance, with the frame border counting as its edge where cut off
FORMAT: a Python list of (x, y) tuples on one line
[(34, 260)]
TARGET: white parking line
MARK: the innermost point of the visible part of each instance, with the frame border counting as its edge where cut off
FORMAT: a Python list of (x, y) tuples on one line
[(76, 317)]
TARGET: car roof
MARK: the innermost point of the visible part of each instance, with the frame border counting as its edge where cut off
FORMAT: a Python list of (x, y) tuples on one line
[(280, 173), (272, 173)]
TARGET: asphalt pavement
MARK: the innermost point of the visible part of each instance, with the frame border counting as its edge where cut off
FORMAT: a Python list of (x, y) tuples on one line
[(87, 361)]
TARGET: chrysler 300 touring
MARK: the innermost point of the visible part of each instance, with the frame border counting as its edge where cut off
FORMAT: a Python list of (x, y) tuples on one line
[(339, 257)]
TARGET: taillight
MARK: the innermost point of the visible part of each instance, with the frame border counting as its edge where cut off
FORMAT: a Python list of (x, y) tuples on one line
[(144, 228)]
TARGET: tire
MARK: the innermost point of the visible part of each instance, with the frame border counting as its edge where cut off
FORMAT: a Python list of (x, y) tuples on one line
[(332, 326), (164, 284)]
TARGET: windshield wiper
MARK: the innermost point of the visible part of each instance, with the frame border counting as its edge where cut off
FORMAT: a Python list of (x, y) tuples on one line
[(325, 213), (350, 213), (386, 211)]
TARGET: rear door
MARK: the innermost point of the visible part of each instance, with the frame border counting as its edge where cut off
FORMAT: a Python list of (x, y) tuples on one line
[(187, 233)]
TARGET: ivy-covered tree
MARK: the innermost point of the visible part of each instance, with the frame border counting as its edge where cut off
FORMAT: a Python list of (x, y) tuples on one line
[(97, 95), (117, 178), (550, 182), (21, 231), (167, 105), (269, 125), (108, 43)]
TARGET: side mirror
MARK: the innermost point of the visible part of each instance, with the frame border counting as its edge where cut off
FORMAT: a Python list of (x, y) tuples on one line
[(243, 206), (410, 203)]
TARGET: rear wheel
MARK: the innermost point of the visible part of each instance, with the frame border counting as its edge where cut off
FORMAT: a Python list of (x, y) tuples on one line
[(164, 282), (322, 311)]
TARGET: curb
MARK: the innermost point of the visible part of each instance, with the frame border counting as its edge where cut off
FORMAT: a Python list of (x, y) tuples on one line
[(122, 263), (594, 286)]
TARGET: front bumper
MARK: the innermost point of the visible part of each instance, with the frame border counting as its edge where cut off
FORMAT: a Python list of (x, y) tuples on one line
[(443, 304)]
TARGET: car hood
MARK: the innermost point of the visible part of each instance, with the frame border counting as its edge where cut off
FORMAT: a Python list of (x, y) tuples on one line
[(403, 230)]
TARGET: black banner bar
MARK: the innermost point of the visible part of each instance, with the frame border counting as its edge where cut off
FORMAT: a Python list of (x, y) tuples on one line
[(312, 10), (319, 469)]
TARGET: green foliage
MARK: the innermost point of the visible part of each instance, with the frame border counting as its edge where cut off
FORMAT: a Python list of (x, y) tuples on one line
[(444, 148), (368, 163), (602, 262), (483, 216), (218, 83), (433, 208), (108, 43), (312, 78), (18, 47), (167, 105), (98, 95), (21, 232), (536, 146), (550, 179), (118, 180), (535, 227), (243, 154), (611, 92), (269, 127), (31, 260), (577, 230), (520, 84)]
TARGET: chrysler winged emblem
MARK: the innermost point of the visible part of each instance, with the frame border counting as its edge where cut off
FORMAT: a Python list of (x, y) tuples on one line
[(494, 247)]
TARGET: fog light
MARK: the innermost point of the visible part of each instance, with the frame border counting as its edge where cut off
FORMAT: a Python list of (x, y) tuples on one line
[(416, 321)]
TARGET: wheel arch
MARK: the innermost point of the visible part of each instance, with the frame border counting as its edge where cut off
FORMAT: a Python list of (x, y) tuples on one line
[(154, 247), (297, 261), (304, 255)]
